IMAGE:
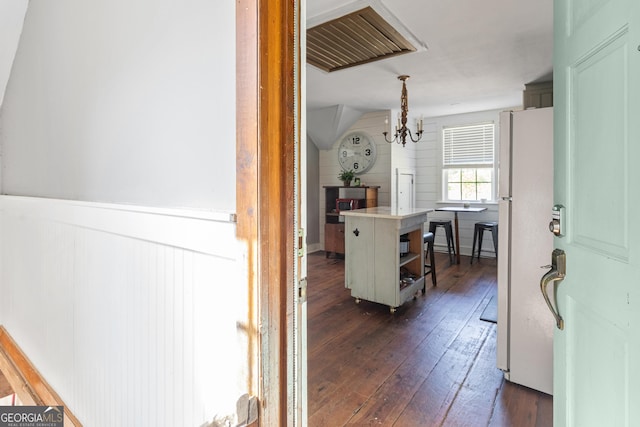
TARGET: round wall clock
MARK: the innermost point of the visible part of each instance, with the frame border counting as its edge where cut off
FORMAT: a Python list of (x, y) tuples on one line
[(357, 152)]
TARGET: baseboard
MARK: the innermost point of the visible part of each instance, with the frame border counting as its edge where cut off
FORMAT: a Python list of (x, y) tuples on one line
[(314, 247), (26, 381)]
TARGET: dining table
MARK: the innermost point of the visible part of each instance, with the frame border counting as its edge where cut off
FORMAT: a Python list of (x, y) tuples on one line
[(456, 210)]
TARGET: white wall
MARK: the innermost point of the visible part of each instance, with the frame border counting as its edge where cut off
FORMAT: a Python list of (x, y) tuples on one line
[(120, 101), (11, 17), (372, 124), (429, 178), (403, 158), (135, 315), (425, 157), (313, 202)]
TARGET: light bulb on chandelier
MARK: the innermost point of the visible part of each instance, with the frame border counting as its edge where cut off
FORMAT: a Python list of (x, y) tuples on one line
[(402, 131)]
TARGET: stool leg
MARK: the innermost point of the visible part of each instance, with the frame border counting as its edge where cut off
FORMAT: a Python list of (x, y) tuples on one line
[(432, 260), (448, 240), (453, 242), (494, 232), (425, 272), (475, 239), (480, 237), (450, 245)]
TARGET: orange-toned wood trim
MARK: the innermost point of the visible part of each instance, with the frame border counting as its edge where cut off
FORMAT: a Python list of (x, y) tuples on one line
[(265, 185), (26, 381), (247, 172), (297, 320)]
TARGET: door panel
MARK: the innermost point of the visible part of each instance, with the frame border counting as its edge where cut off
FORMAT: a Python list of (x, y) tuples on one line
[(596, 138), (406, 191), (590, 151), (601, 385)]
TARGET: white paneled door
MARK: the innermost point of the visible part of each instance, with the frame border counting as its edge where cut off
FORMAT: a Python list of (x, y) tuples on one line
[(405, 179)]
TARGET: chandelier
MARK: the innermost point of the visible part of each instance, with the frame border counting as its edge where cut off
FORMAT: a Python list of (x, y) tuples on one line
[(402, 131)]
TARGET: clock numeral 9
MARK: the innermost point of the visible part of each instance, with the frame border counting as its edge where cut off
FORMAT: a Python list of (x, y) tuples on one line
[(344, 153), (355, 140), (367, 152)]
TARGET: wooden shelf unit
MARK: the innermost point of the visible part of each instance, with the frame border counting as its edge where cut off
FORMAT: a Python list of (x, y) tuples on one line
[(334, 222)]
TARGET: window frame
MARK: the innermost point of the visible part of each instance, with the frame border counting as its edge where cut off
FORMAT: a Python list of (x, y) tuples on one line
[(444, 193)]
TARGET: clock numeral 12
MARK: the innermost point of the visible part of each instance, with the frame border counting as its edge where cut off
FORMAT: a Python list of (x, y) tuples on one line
[(355, 140)]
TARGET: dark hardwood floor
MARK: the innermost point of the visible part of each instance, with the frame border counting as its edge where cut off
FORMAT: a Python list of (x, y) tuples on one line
[(432, 363)]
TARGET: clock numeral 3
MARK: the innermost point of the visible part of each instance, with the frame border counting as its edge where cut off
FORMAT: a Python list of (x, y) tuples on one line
[(356, 152)]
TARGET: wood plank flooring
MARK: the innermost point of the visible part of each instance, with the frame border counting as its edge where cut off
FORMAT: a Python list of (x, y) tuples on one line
[(432, 363)]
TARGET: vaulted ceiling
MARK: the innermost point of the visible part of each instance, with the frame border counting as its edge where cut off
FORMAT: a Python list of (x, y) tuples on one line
[(472, 56)]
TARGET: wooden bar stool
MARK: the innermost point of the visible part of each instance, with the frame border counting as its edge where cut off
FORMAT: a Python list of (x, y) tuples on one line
[(448, 230), (478, 233), (430, 268)]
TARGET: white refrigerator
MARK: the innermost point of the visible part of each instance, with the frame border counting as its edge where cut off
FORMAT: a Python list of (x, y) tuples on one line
[(525, 189)]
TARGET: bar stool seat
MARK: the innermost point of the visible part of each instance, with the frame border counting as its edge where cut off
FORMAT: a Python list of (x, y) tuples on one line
[(448, 230), (428, 239), (478, 233)]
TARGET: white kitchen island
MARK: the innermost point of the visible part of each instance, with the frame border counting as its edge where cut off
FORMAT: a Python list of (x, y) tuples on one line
[(374, 269)]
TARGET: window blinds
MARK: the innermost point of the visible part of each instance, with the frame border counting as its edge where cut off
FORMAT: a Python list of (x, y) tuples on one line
[(468, 146)]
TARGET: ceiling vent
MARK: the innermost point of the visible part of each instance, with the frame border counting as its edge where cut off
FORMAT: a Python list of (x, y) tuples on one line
[(354, 39)]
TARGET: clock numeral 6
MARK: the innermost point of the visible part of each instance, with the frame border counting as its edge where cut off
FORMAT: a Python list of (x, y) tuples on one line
[(356, 166)]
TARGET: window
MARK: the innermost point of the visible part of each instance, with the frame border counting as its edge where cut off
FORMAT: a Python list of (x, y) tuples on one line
[(468, 162)]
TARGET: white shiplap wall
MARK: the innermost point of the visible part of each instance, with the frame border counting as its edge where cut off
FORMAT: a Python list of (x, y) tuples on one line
[(424, 157), (429, 178), (402, 158), (373, 124), (135, 316)]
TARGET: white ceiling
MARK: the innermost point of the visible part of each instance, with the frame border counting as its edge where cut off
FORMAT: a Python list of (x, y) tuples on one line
[(479, 56)]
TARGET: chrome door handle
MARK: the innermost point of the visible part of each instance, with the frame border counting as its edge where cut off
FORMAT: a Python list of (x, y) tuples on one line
[(555, 274)]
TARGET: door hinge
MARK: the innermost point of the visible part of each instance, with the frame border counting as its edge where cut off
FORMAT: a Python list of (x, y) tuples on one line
[(301, 242), (302, 290)]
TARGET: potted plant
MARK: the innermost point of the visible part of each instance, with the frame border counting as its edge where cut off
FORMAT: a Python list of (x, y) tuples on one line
[(346, 177)]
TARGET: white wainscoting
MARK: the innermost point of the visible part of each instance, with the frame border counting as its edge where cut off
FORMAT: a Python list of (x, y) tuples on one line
[(134, 315)]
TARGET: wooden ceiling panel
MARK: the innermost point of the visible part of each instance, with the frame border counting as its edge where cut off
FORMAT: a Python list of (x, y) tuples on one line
[(354, 39)]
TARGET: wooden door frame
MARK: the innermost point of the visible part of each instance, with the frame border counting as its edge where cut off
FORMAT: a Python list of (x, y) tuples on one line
[(265, 118)]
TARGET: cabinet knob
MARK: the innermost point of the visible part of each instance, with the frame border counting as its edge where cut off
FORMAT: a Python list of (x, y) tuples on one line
[(356, 232)]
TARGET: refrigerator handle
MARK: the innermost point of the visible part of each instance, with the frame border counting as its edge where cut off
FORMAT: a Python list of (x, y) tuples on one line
[(507, 198), (556, 274)]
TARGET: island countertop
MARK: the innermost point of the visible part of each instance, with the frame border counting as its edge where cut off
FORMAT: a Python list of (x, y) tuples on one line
[(387, 212)]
